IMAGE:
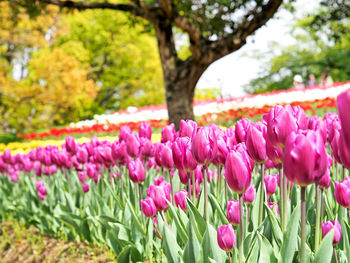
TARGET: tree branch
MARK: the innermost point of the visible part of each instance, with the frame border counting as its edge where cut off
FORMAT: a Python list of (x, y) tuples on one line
[(134, 10)]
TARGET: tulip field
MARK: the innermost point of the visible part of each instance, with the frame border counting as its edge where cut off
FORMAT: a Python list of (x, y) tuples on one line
[(274, 190)]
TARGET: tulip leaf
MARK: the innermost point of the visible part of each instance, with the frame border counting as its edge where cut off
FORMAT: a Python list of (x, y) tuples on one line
[(255, 210), (202, 225), (135, 217), (253, 252), (179, 225), (325, 251), (346, 237), (218, 208), (129, 253), (210, 247), (276, 230), (290, 237), (266, 250), (192, 249)]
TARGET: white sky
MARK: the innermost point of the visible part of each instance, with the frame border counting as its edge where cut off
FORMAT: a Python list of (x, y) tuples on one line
[(232, 72)]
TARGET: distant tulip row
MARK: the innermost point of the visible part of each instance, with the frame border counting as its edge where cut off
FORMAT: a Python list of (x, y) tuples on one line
[(210, 161)]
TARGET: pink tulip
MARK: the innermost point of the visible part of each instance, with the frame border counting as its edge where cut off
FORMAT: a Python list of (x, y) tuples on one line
[(274, 207), (305, 157), (335, 146), (332, 123), (85, 188), (230, 137), (325, 181), (270, 184), (167, 156), (204, 145), (328, 226), (237, 172), (249, 195), (187, 128), (182, 154), (342, 192), (226, 237), (148, 207), (133, 145), (241, 129), (136, 171), (180, 199), (82, 176), (344, 151), (222, 151), (343, 105), (71, 145), (256, 142), (41, 196), (124, 133), (318, 125), (147, 149), (145, 130), (159, 194), (233, 212), (183, 177), (168, 133)]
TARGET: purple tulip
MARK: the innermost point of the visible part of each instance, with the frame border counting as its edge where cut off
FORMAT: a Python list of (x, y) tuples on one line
[(136, 171), (332, 123), (270, 184), (133, 145), (71, 145), (82, 155), (230, 137), (182, 154), (145, 130), (237, 172), (249, 195), (204, 145), (343, 105), (187, 128), (328, 226), (226, 237), (183, 177), (305, 157), (325, 181), (159, 194), (256, 142), (167, 156), (335, 146), (241, 129), (124, 133), (147, 149), (148, 207), (180, 199), (85, 187), (273, 152), (168, 133), (301, 119), (119, 152), (233, 212), (151, 163), (342, 192), (222, 151), (82, 176)]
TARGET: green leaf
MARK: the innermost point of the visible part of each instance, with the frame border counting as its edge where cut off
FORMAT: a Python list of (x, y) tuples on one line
[(217, 208), (179, 225), (277, 233), (129, 253), (266, 251), (210, 247), (192, 249), (171, 249), (202, 225), (135, 217), (290, 237), (253, 252), (325, 251)]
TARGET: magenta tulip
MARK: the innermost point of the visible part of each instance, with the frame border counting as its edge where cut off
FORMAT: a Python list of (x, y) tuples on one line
[(124, 133), (325, 181), (274, 207), (342, 192), (332, 123), (204, 145), (305, 157), (318, 125), (241, 129), (166, 153), (180, 199), (343, 105), (147, 149), (344, 151), (168, 133), (145, 130), (182, 154), (187, 128), (222, 151), (133, 145), (249, 195), (82, 175), (270, 184), (71, 145), (237, 172), (159, 194), (148, 207), (226, 237), (256, 142), (82, 155), (136, 171), (85, 187), (328, 226), (233, 212)]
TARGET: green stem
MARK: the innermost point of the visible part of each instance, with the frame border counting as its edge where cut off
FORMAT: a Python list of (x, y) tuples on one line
[(322, 205), (135, 195), (302, 226), (193, 187), (335, 255), (206, 193), (318, 218), (262, 190), (140, 192), (189, 186), (226, 192), (172, 187), (285, 200), (121, 183), (241, 228), (219, 181), (280, 171)]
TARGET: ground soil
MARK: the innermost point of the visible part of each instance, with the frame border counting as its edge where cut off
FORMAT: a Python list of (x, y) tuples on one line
[(28, 245)]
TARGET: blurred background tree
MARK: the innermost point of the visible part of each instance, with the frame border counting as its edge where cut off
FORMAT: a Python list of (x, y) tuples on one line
[(322, 44)]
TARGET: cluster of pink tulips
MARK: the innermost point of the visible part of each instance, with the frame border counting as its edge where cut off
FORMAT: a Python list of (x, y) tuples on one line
[(302, 149)]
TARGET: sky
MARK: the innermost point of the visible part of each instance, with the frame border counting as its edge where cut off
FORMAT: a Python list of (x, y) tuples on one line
[(233, 71)]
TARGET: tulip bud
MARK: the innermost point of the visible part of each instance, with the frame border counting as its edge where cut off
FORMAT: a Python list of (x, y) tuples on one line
[(82, 155), (183, 177), (226, 237), (159, 194), (85, 187), (180, 199), (124, 133), (237, 172), (328, 226), (342, 192), (249, 195), (71, 145), (204, 145), (136, 171), (182, 154), (145, 130), (148, 207), (325, 181), (270, 184), (274, 207), (241, 129), (332, 123), (167, 156), (82, 176), (305, 157), (233, 212), (168, 133), (344, 151), (222, 151), (133, 145), (147, 149)]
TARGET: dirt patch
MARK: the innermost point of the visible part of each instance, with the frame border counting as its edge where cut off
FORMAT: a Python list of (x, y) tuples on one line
[(19, 244)]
